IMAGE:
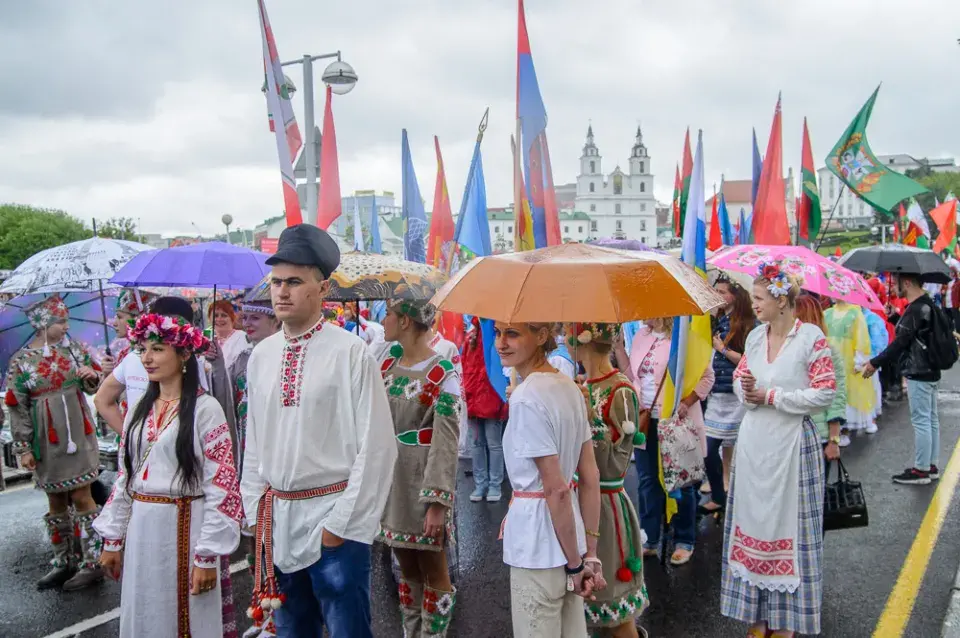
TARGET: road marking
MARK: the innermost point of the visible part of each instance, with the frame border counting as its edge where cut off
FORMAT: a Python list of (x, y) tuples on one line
[(896, 613), (113, 614)]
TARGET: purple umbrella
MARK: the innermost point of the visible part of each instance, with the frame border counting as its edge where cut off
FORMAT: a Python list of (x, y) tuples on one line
[(623, 244), (208, 265)]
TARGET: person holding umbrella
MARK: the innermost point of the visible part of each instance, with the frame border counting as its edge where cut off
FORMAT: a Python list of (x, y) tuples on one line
[(54, 436)]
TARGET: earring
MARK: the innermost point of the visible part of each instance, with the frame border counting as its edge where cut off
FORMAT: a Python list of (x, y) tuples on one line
[(183, 370)]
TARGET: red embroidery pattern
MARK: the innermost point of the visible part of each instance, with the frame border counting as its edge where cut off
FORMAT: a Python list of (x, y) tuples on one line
[(112, 544), (291, 371), (218, 448), (208, 562), (820, 372), (215, 434), (767, 558), (742, 367)]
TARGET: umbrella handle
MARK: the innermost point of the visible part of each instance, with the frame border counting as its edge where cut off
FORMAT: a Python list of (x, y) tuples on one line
[(103, 313)]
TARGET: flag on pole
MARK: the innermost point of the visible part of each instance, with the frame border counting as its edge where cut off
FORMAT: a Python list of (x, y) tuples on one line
[(414, 217), (691, 349), (282, 120), (769, 225), (918, 230), (375, 246), (329, 203), (716, 236), (677, 189), (685, 180), (757, 170), (357, 226), (945, 217), (523, 222), (726, 228), (855, 164), (808, 212), (551, 209), (441, 223), (743, 232), (531, 139)]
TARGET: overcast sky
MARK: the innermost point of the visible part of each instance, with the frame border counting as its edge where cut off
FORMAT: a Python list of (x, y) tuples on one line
[(153, 110)]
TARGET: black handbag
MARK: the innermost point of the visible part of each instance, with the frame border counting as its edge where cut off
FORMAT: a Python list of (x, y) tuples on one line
[(844, 504)]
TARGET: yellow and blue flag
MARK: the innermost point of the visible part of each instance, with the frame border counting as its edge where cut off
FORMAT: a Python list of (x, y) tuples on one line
[(691, 348)]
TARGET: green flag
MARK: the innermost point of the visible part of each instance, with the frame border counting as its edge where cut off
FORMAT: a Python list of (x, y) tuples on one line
[(855, 164)]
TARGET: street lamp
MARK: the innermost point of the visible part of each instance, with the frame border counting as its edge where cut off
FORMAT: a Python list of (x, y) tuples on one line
[(227, 219), (341, 78)]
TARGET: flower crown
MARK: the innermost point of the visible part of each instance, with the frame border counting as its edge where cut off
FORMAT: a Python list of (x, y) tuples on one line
[(172, 331), (779, 282), (584, 333)]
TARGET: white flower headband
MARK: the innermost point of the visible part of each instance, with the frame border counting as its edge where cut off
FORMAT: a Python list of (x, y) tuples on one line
[(779, 282)]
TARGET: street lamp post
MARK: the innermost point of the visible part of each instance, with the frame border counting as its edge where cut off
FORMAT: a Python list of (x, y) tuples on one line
[(342, 78), (227, 219)]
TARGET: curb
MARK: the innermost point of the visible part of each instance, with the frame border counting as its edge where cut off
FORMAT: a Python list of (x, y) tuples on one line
[(951, 621)]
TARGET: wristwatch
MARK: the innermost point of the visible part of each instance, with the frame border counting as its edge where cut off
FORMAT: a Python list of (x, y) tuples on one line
[(575, 570), (834, 439)]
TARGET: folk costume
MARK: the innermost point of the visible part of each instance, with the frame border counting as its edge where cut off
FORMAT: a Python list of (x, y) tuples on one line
[(50, 418), (163, 527), (425, 404), (613, 414), (319, 455), (847, 333), (773, 535)]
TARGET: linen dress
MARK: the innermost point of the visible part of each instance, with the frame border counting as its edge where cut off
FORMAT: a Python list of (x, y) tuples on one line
[(613, 401), (772, 559), (162, 540), (49, 415)]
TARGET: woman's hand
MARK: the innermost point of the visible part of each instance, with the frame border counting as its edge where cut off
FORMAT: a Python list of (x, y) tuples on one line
[(203, 579), (213, 352), (756, 395), (435, 520), (599, 582), (108, 364), (330, 540), (28, 461), (87, 373), (832, 451), (718, 344), (112, 563)]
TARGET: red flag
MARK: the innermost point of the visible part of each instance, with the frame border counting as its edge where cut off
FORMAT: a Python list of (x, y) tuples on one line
[(838, 253), (441, 223), (550, 209), (770, 213), (945, 217), (685, 180), (328, 209), (716, 239), (896, 231)]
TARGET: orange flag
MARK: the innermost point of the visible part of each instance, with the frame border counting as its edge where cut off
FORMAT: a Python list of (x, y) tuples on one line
[(770, 213), (328, 204), (945, 217), (441, 223), (716, 238), (838, 252)]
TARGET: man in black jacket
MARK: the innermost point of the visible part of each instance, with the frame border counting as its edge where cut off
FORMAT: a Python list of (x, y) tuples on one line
[(909, 349)]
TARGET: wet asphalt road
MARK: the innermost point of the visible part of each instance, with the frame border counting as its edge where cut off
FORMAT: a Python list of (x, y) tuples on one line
[(861, 565)]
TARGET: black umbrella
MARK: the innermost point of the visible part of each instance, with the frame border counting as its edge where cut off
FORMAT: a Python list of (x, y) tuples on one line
[(897, 258)]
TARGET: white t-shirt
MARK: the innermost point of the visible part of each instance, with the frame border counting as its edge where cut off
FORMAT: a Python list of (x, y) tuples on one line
[(547, 417), (131, 373)]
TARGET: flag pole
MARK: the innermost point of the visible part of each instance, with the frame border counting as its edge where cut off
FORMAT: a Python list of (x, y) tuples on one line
[(823, 232), (466, 190)]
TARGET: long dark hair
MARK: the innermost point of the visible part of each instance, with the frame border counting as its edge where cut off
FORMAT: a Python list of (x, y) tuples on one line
[(742, 319), (188, 468)]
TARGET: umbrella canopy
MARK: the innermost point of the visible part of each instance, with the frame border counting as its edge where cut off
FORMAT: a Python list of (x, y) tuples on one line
[(897, 258), (80, 266), (577, 282), (86, 322), (621, 244), (815, 272), (207, 265)]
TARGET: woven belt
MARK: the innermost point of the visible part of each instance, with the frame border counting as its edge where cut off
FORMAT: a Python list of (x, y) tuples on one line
[(517, 495), (266, 594), (183, 554), (606, 487)]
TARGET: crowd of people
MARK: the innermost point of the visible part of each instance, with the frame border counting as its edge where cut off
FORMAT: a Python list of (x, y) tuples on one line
[(281, 430)]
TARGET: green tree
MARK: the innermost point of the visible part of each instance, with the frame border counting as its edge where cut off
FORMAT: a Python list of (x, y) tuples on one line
[(25, 231), (939, 184), (119, 228)]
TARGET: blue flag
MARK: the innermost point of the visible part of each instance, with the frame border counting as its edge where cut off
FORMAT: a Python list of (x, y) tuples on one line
[(757, 170), (414, 217), (744, 234), (726, 228), (375, 246)]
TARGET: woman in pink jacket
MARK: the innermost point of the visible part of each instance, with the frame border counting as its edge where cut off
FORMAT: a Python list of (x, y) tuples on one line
[(647, 367)]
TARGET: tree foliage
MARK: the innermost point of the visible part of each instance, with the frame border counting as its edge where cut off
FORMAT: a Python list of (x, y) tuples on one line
[(939, 184), (119, 228), (25, 231)]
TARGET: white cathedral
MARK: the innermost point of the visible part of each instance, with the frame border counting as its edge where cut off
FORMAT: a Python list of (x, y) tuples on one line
[(620, 205)]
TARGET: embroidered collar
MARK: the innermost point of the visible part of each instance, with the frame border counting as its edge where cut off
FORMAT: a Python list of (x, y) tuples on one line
[(604, 377), (435, 340), (306, 336)]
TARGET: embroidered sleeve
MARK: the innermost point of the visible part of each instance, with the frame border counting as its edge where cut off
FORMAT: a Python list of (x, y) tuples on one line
[(222, 504), (443, 420), (821, 382), (742, 368), (112, 522), (820, 369)]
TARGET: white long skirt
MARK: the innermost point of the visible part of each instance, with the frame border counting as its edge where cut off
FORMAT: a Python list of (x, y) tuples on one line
[(148, 599)]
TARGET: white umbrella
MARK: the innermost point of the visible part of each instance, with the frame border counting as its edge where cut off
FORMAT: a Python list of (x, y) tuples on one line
[(81, 266)]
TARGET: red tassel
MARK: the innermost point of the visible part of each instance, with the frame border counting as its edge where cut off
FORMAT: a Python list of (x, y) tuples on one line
[(51, 433), (87, 426), (55, 537), (624, 575), (76, 530), (11, 399)]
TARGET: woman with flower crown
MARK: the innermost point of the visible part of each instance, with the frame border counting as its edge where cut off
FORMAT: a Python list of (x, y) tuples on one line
[(773, 535), (176, 507)]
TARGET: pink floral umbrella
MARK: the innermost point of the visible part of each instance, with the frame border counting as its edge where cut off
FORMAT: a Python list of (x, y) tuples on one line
[(815, 272)]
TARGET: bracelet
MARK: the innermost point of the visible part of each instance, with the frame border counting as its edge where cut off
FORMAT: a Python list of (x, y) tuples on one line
[(724, 351), (593, 559), (590, 532), (575, 570)]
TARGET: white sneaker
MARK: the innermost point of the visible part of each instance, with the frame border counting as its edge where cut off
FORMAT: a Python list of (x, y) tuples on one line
[(844, 440), (871, 427)]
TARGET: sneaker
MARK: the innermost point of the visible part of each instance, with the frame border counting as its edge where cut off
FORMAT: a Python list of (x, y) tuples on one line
[(871, 427), (844, 440), (912, 476), (934, 472), (493, 496), (478, 494)]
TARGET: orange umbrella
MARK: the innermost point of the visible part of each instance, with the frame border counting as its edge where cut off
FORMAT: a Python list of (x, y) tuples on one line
[(577, 282)]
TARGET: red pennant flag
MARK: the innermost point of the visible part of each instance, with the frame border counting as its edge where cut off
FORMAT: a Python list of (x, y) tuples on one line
[(441, 223), (770, 213), (685, 180), (838, 253), (716, 238), (328, 205), (945, 217)]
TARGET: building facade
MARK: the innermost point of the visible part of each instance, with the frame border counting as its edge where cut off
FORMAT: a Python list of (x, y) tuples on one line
[(619, 204)]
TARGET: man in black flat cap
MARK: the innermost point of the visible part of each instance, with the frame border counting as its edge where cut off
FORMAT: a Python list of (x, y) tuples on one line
[(319, 453)]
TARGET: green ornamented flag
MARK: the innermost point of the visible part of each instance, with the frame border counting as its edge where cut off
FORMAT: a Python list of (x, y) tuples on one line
[(855, 164), (809, 214)]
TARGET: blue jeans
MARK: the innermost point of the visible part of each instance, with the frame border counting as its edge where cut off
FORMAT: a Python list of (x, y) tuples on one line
[(714, 466), (652, 500), (334, 591), (487, 435), (922, 397)]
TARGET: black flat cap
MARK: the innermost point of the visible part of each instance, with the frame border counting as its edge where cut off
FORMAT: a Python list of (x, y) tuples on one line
[(307, 245)]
